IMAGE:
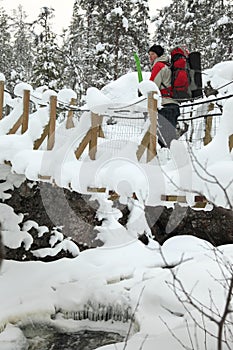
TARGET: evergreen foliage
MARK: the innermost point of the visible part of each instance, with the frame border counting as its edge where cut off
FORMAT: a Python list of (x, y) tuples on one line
[(103, 38), (22, 54), (5, 45), (77, 47), (46, 68), (100, 42), (202, 25), (170, 24), (138, 30), (222, 32)]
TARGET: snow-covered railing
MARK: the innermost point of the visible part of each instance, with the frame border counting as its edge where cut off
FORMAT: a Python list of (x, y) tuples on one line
[(23, 119), (49, 130), (148, 142)]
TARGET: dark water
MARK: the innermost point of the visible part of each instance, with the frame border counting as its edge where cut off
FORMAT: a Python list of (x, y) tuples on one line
[(46, 337)]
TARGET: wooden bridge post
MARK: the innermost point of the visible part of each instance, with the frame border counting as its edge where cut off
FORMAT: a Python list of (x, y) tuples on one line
[(69, 120), (230, 142), (25, 115), (96, 121), (52, 122), (149, 139), (152, 110), (1, 98), (208, 126)]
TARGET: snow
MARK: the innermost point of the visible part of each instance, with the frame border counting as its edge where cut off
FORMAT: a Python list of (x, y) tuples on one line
[(100, 48), (224, 20), (116, 11), (65, 95), (123, 273), (97, 102), (125, 23), (65, 245), (19, 89)]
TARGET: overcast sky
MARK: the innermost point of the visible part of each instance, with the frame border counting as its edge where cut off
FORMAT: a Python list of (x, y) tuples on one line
[(63, 9)]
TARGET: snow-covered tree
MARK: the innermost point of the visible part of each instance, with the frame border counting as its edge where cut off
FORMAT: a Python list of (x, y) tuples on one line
[(22, 47), (125, 32), (116, 39), (202, 25), (138, 31), (47, 64), (5, 45), (72, 72), (211, 29), (170, 23), (103, 38), (77, 49), (222, 32)]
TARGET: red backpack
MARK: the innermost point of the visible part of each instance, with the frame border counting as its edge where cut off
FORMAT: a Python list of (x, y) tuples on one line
[(186, 78)]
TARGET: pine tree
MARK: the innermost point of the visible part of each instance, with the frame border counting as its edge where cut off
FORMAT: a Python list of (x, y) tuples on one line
[(127, 32), (103, 38), (76, 52), (170, 25), (72, 76), (116, 28), (202, 25), (47, 63), (212, 26), (137, 16), (141, 35), (22, 47), (5, 45), (195, 25), (222, 32)]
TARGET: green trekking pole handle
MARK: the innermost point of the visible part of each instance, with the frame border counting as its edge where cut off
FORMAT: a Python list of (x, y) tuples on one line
[(138, 66), (139, 70)]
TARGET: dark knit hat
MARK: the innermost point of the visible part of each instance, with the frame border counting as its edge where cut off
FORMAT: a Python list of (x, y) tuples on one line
[(159, 50)]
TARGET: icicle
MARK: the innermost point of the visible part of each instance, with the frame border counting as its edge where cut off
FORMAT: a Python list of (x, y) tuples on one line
[(90, 314), (100, 312), (105, 314), (86, 309), (95, 316), (110, 312)]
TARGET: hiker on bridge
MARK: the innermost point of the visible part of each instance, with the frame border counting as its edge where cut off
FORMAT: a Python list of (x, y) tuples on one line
[(169, 113)]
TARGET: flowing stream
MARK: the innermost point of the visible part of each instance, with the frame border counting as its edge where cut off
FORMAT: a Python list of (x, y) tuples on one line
[(47, 337)]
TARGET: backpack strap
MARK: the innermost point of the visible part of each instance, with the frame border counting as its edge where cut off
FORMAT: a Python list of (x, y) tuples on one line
[(156, 69), (167, 91)]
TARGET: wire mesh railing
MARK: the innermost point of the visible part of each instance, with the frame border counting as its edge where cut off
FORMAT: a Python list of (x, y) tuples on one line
[(136, 122)]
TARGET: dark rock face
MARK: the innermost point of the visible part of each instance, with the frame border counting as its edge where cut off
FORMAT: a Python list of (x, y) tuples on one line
[(54, 206), (75, 216), (71, 213), (215, 226)]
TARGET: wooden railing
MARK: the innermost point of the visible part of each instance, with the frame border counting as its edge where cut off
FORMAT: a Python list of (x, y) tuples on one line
[(49, 129), (148, 142)]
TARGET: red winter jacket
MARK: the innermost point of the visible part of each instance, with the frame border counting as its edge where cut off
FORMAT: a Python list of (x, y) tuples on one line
[(161, 75)]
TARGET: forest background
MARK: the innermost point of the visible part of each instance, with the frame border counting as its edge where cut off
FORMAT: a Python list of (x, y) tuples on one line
[(99, 43)]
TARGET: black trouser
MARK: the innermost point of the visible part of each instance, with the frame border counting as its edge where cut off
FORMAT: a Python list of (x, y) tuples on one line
[(167, 120)]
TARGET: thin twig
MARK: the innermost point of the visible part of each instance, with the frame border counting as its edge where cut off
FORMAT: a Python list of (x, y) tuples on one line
[(132, 318)]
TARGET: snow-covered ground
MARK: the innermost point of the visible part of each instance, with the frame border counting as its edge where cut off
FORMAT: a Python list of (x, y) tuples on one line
[(125, 276), (124, 273)]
